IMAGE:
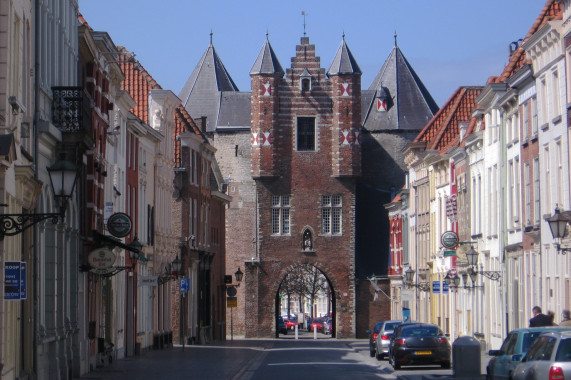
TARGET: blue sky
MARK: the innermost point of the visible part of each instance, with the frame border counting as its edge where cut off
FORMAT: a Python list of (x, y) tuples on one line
[(449, 43)]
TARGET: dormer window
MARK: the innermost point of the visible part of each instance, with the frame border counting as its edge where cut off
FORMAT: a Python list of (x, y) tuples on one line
[(305, 81)]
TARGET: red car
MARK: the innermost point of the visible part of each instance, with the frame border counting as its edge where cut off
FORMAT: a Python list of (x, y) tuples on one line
[(290, 323), (317, 324)]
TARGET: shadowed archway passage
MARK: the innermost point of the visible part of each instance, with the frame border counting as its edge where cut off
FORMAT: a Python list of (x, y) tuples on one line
[(305, 299)]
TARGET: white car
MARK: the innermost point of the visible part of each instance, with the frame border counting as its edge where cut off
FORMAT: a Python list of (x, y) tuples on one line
[(549, 357)]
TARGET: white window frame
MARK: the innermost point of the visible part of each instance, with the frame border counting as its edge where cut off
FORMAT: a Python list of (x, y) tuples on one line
[(332, 214), (281, 215)]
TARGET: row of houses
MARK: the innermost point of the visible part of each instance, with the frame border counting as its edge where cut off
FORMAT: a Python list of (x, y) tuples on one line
[(471, 246), (113, 209)]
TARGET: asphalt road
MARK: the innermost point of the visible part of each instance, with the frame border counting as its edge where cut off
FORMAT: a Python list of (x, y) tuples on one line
[(274, 359)]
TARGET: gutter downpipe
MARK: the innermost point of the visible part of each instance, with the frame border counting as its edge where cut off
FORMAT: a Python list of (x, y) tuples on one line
[(37, 14), (503, 224)]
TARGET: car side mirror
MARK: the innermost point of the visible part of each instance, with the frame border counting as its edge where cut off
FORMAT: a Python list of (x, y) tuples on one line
[(517, 358), (494, 352), (368, 331)]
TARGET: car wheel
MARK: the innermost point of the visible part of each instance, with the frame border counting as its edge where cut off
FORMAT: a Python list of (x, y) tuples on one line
[(395, 365), (379, 356), (445, 365)]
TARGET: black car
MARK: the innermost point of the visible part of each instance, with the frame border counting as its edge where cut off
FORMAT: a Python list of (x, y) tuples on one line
[(282, 328), (419, 344)]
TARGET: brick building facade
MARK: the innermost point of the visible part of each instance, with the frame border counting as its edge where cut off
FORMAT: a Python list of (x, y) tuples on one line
[(293, 154)]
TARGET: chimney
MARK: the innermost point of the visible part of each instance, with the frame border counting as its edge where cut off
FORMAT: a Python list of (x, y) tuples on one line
[(203, 124)]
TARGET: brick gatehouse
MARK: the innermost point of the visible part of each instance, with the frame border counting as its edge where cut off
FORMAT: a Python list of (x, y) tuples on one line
[(310, 159)]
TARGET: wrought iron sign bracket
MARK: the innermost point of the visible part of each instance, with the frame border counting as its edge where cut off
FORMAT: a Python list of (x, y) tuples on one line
[(13, 224)]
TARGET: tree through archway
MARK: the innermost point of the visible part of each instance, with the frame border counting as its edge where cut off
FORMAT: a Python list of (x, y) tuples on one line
[(306, 291)]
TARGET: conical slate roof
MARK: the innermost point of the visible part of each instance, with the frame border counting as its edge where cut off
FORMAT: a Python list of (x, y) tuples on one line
[(409, 104), (267, 62), (201, 93), (344, 62)]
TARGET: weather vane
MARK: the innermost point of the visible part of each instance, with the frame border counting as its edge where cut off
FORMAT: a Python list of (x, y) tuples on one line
[(303, 14)]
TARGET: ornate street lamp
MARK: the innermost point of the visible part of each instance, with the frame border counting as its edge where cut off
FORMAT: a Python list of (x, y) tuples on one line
[(173, 273), (408, 281), (63, 176), (176, 266), (239, 275), (558, 226), (472, 256)]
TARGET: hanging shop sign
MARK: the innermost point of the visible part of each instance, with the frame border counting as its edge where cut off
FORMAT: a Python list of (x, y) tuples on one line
[(101, 260), (452, 207), (119, 224), (449, 239), (15, 285)]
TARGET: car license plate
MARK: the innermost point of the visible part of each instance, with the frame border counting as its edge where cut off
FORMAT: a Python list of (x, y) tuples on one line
[(423, 352)]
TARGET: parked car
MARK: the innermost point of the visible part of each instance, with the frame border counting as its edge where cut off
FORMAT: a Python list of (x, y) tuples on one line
[(512, 351), (327, 326), (282, 329), (384, 338), (419, 344), (549, 357), (290, 322), (317, 324), (373, 337)]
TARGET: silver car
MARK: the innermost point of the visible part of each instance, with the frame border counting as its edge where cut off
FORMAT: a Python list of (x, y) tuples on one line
[(384, 338), (549, 357)]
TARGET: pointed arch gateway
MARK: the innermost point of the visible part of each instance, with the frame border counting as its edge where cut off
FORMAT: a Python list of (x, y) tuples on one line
[(306, 291)]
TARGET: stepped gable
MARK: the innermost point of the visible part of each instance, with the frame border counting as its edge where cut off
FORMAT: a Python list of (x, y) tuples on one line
[(267, 61), (344, 63), (201, 95), (552, 10), (443, 131), (409, 105)]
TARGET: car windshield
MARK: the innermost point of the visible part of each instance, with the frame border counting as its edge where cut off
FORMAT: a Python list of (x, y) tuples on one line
[(564, 351)]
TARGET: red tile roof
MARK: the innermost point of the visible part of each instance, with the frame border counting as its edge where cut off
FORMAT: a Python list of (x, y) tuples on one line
[(139, 83), (443, 131), (83, 21), (551, 11)]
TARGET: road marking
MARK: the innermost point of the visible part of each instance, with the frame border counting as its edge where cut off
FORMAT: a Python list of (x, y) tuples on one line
[(318, 363)]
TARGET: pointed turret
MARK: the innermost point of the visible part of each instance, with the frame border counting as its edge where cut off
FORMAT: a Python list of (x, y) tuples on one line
[(344, 62), (267, 62), (266, 75), (397, 99), (201, 93), (345, 77)]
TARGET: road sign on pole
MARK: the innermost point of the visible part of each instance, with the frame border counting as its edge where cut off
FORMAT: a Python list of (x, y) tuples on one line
[(184, 284)]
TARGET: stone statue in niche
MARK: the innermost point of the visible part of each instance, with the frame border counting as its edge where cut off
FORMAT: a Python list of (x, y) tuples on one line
[(307, 241)]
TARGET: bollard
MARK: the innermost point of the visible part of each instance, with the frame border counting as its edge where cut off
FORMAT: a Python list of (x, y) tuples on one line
[(296, 332), (466, 357)]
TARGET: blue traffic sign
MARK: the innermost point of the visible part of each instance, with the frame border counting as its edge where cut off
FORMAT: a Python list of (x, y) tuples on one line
[(184, 284)]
